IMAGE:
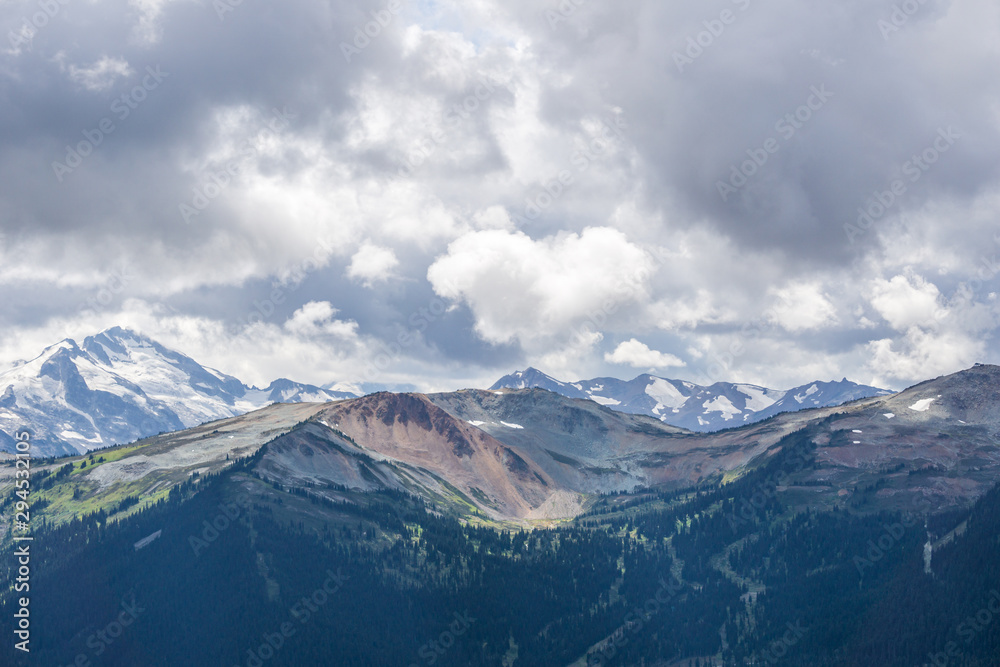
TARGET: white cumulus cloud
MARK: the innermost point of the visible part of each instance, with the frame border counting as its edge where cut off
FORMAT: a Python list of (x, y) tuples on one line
[(922, 354), (906, 301), (524, 290), (317, 318), (372, 264), (803, 307), (638, 355)]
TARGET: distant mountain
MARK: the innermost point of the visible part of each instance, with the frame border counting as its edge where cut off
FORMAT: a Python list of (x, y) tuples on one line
[(120, 385), (691, 406), (365, 388)]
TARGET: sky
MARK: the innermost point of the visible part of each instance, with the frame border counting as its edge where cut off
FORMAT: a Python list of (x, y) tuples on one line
[(433, 194)]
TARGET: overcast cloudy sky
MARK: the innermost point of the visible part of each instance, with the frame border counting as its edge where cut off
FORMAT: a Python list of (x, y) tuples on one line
[(437, 193)]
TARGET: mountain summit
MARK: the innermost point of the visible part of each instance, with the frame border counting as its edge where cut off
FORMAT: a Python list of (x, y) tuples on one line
[(691, 406), (118, 386)]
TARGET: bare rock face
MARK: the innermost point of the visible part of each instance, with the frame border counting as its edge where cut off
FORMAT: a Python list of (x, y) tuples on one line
[(409, 430)]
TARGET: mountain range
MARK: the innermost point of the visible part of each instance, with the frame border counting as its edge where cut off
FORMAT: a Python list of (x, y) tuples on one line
[(531, 454), (691, 406), (118, 386)]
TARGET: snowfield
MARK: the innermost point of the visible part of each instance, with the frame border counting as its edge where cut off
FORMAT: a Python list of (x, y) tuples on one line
[(923, 405)]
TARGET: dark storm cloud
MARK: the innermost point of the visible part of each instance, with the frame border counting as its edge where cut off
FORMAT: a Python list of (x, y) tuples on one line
[(262, 55), (704, 84)]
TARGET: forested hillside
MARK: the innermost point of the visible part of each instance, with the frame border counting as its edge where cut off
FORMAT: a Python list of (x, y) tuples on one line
[(721, 574)]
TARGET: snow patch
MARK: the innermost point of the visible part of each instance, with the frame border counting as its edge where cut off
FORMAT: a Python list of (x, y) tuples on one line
[(809, 392), (723, 405), (511, 425), (665, 393), (758, 397), (888, 415), (346, 388), (604, 401), (923, 405), (73, 435), (476, 423)]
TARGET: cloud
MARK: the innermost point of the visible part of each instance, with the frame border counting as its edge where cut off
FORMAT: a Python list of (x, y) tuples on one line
[(638, 355), (520, 289), (689, 313), (922, 354), (316, 318), (311, 345), (147, 29), (557, 185), (101, 75), (907, 301), (372, 264), (802, 307)]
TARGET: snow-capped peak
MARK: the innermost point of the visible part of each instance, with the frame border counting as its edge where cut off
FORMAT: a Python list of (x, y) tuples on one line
[(120, 385), (688, 405)]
